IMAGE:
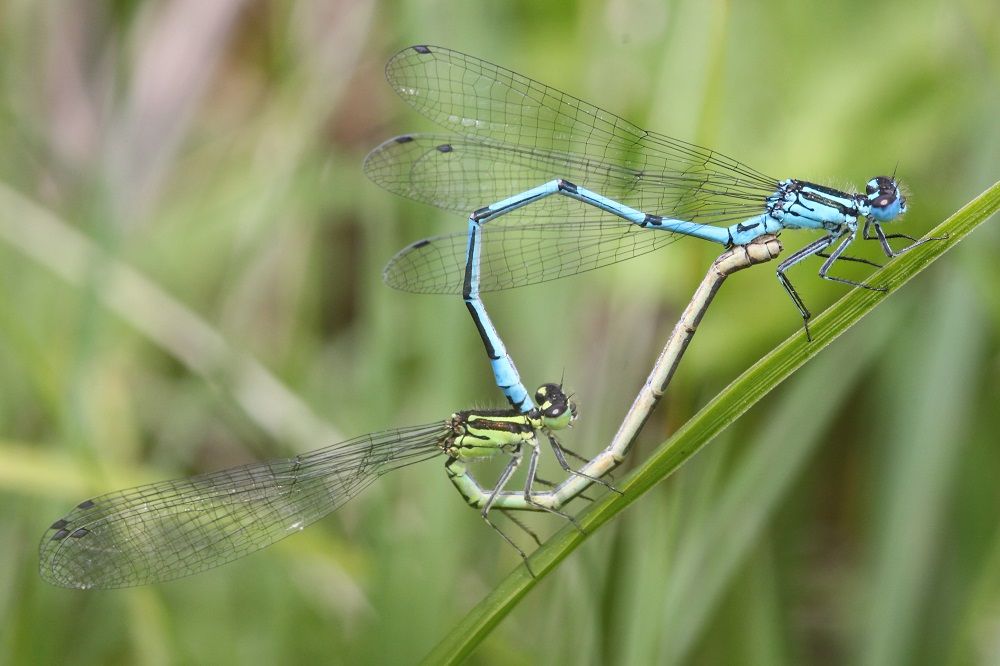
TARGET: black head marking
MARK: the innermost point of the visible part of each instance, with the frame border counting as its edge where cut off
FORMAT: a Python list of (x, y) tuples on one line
[(881, 191), (553, 400)]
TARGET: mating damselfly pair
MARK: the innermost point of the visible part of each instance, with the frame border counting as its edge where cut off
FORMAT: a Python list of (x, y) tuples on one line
[(624, 192)]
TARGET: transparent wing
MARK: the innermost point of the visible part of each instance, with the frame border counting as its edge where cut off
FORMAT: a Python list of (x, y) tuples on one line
[(552, 238), (463, 174), (514, 256), (480, 100), (172, 529), (513, 134)]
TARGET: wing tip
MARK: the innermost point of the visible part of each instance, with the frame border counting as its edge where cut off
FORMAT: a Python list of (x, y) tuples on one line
[(400, 273), (407, 52)]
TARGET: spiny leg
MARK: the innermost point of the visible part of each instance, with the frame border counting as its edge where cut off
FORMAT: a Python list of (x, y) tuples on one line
[(834, 256), (844, 257), (573, 454), (520, 523), (529, 480), (558, 449), (508, 471), (477, 498), (883, 239), (552, 484), (799, 256)]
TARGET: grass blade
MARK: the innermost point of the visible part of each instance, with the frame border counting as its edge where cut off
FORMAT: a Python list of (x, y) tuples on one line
[(163, 319)]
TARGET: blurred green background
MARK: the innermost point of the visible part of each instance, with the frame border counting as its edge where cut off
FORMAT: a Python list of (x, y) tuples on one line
[(190, 278)]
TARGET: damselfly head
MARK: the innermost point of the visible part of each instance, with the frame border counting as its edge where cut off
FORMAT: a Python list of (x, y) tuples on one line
[(885, 200), (557, 410)]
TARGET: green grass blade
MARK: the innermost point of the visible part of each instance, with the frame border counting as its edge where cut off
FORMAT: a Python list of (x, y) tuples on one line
[(162, 318), (710, 556), (726, 407), (920, 476)]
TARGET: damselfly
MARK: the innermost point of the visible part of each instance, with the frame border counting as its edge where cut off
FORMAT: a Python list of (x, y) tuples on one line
[(171, 529), (516, 142)]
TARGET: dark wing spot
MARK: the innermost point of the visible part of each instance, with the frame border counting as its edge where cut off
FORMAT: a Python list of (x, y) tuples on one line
[(60, 535), (421, 243), (85, 505), (445, 148), (422, 49), (59, 524), (82, 532), (406, 138)]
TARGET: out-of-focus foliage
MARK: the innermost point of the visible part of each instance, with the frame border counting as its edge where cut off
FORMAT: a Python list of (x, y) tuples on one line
[(189, 278)]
